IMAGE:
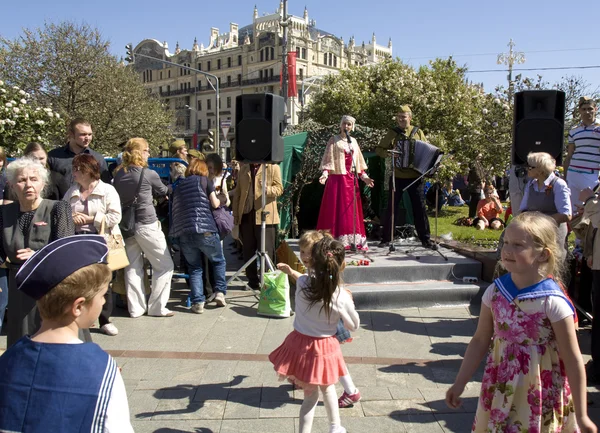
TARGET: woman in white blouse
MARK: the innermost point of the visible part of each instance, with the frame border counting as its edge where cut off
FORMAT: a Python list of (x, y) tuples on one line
[(93, 203)]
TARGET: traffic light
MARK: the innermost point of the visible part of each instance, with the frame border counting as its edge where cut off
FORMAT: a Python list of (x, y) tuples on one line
[(130, 56), (209, 143)]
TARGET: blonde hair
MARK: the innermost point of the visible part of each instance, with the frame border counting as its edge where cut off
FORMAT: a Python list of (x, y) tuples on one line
[(86, 283), (310, 237), (542, 160), (347, 118), (133, 153), (16, 167), (543, 231)]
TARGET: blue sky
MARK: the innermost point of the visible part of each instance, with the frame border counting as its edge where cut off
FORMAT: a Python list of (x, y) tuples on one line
[(473, 31)]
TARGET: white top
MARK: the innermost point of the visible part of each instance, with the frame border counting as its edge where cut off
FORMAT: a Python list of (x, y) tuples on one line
[(555, 307), (312, 321), (117, 414), (587, 145)]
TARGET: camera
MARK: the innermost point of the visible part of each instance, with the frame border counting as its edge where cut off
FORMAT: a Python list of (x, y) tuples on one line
[(520, 171)]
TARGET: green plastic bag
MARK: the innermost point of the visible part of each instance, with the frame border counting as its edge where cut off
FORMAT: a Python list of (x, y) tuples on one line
[(275, 296)]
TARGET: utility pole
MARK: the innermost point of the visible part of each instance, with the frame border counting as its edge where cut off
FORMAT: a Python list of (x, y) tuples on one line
[(285, 78), (510, 59)]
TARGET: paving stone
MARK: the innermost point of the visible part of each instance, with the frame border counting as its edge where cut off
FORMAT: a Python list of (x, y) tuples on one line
[(455, 422), (266, 425), (422, 423), (169, 426), (243, 404), (368, 393), (395, 407)]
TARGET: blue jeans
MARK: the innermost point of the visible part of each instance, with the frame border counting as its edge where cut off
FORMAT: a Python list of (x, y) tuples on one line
[(209, 244), (3, 293)]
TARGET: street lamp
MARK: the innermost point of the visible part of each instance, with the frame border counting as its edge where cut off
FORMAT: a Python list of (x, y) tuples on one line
[(215, 85), (511, 58)]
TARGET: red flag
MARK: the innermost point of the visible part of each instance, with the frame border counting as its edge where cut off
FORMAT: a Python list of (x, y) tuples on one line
[(195, 141), (292, 87)]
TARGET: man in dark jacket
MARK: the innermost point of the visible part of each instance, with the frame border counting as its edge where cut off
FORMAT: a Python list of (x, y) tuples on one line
[(60, 160)]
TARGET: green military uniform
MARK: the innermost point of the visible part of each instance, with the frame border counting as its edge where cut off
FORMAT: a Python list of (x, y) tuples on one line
[(404, 178), (389, 143)]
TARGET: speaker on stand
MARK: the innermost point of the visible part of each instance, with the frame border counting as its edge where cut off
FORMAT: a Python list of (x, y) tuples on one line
[(259, 124), (538, 126)]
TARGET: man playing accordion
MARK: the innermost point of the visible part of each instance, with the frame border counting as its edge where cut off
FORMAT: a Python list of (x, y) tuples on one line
[(395, 140)]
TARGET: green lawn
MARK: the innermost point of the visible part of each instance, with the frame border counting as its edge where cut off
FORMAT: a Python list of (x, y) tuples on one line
[(445, 225)]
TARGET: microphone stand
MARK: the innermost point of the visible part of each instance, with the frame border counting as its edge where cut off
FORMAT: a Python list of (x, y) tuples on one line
[(354, 169)]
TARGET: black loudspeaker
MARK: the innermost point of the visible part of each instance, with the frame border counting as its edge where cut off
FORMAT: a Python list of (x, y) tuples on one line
[(539, 124), (259, 123)]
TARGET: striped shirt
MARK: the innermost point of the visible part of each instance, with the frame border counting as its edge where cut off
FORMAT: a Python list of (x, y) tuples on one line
[(587, 147)]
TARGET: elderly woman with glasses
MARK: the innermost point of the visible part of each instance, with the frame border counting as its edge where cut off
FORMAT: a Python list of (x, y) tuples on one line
[(94, 203), (149, 238), (547, 193)]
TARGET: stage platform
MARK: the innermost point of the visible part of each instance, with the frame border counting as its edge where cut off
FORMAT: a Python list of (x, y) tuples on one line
[(411, 276)]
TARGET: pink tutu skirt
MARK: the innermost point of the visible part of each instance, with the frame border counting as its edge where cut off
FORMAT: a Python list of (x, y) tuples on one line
[(306, 360)]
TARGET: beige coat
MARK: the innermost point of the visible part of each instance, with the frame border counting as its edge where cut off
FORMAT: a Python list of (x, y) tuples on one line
[(274, 189), (103, 204), (334, 158), (591, 214)]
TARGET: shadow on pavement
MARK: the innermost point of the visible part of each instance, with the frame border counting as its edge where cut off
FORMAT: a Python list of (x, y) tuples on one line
[(383, 321), (438, 371), (453, 420), (198, 395)]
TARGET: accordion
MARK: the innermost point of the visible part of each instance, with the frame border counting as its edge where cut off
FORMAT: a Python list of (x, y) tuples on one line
[(418, 155)]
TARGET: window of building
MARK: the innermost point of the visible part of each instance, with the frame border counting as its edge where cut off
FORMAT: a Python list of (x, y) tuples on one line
[(262, 55), (271, 72), (260, 74), (229, 62), (239, 79), (228, 80), (272, 53), (160, 75), (209, 121), (335, 61), (330, 59), (301, 73), (325, 58), (304, 53), (199, 66), (208, 105), (208, 65), (298, 52), (160, 89), (199, 124), (168, 89), (199, 84), (169, 73), (199, 105), (229, 102), (219, 103), (187, 101), (239, 60), (218, 63)]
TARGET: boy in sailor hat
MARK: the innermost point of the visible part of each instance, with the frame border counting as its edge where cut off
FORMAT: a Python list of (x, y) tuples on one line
[(52, 381)]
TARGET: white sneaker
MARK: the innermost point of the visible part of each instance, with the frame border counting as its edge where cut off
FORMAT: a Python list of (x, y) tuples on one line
[(337, 429), (220, 299), (198, 308), (109, 329)]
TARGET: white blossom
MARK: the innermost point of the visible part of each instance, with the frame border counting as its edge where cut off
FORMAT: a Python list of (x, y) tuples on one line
[(16, 110), (1, 83), (23, 101), (57, 115), (40, 122), (484, 111), (8, 104), (22, 92)]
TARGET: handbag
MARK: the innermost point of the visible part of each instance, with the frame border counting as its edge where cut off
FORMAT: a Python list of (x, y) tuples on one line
[(127, 224), (223, 218), (117, 256)]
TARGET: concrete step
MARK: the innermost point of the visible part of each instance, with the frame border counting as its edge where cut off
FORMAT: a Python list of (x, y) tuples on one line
[(420, 294)]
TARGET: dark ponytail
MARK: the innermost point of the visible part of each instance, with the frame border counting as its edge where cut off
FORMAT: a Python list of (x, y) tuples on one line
[(328, 262)]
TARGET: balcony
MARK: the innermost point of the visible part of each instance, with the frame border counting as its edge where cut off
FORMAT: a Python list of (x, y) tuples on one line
[(254, 81)]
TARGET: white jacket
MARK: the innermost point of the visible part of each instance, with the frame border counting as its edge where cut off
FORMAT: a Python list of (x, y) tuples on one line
[(103, 203)]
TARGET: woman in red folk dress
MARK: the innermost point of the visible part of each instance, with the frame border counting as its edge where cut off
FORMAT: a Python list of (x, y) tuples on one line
[(341, 164)]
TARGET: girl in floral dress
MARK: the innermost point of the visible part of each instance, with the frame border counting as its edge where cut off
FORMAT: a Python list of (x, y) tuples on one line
[(534, 379)]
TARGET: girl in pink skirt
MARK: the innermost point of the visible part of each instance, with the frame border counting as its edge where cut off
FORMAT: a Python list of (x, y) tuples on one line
[(310, 356)]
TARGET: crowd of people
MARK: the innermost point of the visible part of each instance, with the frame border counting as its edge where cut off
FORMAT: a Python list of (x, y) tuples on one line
[(60, 206)]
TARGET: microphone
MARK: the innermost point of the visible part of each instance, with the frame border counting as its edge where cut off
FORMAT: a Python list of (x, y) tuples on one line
[(348, 136)]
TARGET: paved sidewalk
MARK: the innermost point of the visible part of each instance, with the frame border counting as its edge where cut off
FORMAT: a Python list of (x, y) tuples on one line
[(210, 373)]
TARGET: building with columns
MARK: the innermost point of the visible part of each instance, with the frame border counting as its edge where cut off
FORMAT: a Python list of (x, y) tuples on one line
[(246, 60)]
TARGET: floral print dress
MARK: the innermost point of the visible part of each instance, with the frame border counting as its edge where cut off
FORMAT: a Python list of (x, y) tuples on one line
[(524, 386)]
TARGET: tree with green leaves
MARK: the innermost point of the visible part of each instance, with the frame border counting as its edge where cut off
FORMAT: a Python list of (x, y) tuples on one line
[(68, 67)]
